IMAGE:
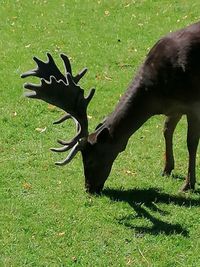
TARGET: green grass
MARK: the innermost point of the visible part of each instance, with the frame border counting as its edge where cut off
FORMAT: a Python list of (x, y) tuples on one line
[(46, 217)]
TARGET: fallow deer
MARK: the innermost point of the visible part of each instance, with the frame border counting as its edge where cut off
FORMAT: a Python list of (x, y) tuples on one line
[(168, 82)]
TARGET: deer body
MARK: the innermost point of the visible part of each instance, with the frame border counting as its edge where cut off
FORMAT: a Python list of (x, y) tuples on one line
[(167, 83)]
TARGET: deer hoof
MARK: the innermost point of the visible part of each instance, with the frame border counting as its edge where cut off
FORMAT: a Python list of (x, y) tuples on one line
[(166, 172), (187, 187)]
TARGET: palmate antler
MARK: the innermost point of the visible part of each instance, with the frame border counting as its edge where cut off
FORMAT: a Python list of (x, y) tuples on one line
[(62, 91)]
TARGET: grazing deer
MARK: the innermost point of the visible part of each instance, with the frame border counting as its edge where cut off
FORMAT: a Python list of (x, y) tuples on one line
[(167, 83)]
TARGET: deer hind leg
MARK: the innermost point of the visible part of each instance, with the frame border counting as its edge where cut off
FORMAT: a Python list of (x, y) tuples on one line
[(192, 144), (169, 127)]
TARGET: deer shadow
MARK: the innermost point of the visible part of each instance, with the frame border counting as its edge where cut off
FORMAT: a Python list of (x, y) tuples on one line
[(143, 200)]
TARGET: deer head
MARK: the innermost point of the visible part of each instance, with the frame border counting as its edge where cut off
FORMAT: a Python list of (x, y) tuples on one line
[(62, 90)]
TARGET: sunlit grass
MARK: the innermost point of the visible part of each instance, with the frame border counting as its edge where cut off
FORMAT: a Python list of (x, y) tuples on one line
[(46, 217)]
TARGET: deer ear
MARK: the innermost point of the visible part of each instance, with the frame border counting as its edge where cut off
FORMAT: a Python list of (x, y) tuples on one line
[(100, 136)]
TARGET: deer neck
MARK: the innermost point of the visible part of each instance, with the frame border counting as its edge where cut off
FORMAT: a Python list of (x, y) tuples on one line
[(136, 106)]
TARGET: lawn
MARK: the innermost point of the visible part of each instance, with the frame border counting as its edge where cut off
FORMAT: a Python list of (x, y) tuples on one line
[(46, 217)]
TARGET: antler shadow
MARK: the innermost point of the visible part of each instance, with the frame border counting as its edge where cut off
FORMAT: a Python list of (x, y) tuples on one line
[(140, 200)]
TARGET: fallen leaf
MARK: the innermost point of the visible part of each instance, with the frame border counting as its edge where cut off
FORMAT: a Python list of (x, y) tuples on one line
[(98, 77), (51, 107), (41, 130), (61, 234), (130, 172), (108, 78), (129, 262), (27, 186), (107, 13)]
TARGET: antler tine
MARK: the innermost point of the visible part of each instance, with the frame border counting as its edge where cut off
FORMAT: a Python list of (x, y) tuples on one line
[(62, 142), (80, 75), (61, 149), (67, 63), (69, 144), (68, 69), (71, 155), (90, 96), (63, 118)]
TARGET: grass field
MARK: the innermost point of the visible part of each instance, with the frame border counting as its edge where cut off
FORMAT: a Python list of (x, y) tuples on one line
[(46, 218)]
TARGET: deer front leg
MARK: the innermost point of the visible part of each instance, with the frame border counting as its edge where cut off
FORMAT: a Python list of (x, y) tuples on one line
[(192, 144), (169, 127)]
